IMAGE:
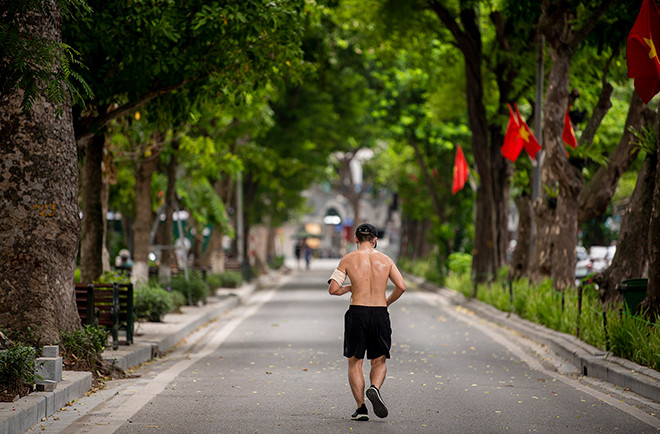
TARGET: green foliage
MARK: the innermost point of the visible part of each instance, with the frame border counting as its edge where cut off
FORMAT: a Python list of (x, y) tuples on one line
[(33, 62), (228, 279), (194, 290), (460, 263), (114, 276), (85, 344), (152, 301), (630, 336), (17, 369), (26, 336), (276, 263), (178, 300), (635, 339), (206, 207), (423, 268)]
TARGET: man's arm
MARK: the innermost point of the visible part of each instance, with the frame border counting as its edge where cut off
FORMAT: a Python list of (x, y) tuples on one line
[(337, 279), (399, 283), (335, 289)]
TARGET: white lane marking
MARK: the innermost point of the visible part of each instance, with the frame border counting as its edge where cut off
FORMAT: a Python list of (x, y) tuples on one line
[(438, 300), (124, 412)]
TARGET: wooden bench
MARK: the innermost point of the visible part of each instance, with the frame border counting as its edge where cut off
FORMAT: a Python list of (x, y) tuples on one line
[(108, 305)]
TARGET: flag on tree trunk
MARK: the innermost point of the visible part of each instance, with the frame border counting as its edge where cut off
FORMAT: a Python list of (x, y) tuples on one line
[(512, 146), (569, 134), (518, 136), (641, 55), (461, 171)]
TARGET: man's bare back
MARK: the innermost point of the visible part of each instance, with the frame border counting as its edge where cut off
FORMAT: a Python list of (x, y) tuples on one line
[(368, 270), (367, 327)]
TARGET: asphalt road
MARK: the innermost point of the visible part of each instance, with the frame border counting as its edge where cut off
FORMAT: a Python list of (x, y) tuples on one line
[(274, 365)]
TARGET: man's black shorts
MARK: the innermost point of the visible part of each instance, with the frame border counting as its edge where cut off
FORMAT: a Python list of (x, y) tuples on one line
[(367, 328)]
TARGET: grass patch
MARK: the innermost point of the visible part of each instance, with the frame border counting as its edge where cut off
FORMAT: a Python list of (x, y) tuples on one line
[(627, 336)]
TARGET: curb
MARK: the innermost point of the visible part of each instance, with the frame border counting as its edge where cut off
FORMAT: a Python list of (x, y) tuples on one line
[(20, 416), (590, 360)]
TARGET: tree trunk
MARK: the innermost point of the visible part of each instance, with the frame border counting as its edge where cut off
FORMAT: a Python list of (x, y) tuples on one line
[(569, 178), (652, 301), (597, 194), (39, 220), (144, 170), (91, 247), (168, 253), (632, 247), (224, 188), (490, 234), (105, 195), (521, 255), (197, 244)]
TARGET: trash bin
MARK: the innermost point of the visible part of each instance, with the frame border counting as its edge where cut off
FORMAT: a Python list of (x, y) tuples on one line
[(634, 292)]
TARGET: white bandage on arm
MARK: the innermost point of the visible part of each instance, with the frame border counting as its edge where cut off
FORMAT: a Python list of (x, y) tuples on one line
[(337, 276)]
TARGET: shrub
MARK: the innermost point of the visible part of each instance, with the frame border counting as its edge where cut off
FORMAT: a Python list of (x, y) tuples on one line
[(460, 263), (152, 302), (194, 289), (17, 370), (85, 344), (276, 263), (178, 300), (228, 279), (117, 276)]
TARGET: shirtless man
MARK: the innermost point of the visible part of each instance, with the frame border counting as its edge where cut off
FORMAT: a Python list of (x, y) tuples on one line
[(367, 321)]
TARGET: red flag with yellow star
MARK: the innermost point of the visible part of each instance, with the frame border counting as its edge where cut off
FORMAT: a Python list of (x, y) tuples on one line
[(461, 171), (530, 143), (518, 136), (641, 54), (569, 133), (512, 145)]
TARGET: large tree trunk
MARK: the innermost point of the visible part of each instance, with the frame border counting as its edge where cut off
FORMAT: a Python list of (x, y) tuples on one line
[(652, 301), (39, 221), (597, 194), (144, 170), (91, 247), (563, 39), (168, 253), (490, 232), (569, 178), (632, 247), (224, 188), (521, 255)]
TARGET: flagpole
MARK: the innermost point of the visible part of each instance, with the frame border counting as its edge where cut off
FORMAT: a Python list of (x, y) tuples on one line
[(538, 132)]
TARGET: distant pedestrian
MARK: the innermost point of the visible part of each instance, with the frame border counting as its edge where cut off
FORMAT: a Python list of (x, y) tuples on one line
[(308, 255), (367, 327), (298, 252)]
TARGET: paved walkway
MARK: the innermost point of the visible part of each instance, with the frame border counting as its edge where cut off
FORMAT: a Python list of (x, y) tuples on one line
[(152, 338)]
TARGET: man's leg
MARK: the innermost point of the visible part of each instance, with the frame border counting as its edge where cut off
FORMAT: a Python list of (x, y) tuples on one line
[(356, 379), (378, 371), (377, 376)]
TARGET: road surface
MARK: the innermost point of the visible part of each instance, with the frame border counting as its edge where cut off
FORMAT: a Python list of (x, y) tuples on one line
[(275, 365)]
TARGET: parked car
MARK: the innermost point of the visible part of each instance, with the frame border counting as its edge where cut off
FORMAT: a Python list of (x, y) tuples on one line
[(583, 266), (599, 258)]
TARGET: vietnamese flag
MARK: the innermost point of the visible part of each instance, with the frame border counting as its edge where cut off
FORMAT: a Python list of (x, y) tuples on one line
[(529, 141), (518, 136), (512, 145), (641, 54), (461, 171), (569, 134)]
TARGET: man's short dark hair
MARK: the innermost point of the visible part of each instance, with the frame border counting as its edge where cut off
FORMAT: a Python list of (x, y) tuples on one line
[(366, 232)]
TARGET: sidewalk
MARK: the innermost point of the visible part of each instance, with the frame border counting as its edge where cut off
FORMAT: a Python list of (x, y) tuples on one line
[(150, 340), (590, 360)]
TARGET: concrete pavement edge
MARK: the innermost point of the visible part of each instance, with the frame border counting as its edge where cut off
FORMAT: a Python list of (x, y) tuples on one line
[(26, 412), (589, 360)]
